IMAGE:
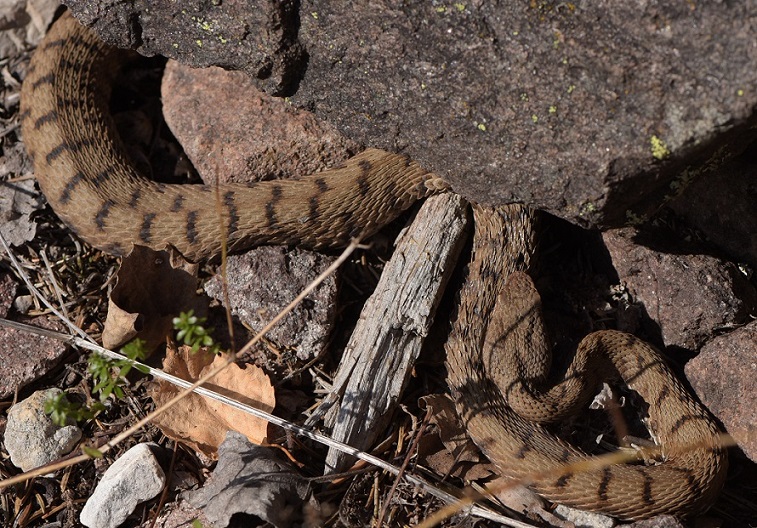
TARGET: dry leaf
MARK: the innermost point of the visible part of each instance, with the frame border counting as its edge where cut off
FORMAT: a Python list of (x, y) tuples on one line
[(153, 288), (201, 422), (457, 455), (17, 201), (352, 509), (252, 480)]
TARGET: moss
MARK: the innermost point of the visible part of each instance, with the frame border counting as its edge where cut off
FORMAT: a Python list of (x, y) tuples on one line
[(633, 219), (686, 176)]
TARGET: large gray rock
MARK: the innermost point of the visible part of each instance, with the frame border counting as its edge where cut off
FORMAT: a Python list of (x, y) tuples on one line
[(598, 112)]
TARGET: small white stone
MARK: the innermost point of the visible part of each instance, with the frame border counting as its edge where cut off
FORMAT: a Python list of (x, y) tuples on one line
[(31, 437), (584, 519), (135, 477)]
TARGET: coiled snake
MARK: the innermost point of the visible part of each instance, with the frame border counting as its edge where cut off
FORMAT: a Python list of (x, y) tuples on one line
[(497, 339)]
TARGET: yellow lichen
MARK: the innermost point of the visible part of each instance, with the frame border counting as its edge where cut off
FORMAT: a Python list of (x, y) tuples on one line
[(659, 148), (587, 209)]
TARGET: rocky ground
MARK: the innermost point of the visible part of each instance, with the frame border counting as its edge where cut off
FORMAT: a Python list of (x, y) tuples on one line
[(635, 121)]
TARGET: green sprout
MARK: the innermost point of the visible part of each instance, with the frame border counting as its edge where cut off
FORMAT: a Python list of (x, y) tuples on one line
[(191, 332), (109, 375)]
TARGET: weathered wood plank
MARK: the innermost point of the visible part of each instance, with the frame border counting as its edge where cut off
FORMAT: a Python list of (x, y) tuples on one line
[(394, 323)]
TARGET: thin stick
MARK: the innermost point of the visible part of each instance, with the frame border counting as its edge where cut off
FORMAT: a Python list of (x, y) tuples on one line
[(56, 287)]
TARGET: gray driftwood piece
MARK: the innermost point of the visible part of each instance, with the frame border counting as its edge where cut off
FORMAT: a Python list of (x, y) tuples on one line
[(394, 323)]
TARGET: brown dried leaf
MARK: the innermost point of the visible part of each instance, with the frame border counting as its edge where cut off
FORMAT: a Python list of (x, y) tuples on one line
[(201, 422), (153, 288), (450, 451)]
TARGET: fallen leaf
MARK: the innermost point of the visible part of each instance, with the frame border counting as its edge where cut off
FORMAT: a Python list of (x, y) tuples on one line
[(458, 456), (17, 201), (153, 287), (449, 451), (352, 510), (201, 422), (252, 480)]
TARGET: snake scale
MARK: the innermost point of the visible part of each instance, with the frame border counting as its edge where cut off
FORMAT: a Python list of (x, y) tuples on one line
[(497, 352)]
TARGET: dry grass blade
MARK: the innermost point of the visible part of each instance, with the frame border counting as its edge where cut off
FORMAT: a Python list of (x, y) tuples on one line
[(189, 388), (86, 343), (16, 264), (284, 424)]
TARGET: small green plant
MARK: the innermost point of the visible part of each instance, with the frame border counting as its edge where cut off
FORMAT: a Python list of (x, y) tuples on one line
[(63, 412), (109, 374), (102, 369), (191, 332)]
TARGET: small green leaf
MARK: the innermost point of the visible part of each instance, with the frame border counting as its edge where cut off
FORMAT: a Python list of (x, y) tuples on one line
[(91, 452)]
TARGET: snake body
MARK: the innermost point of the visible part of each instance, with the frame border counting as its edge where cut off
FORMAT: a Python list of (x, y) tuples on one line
[(86, 176), (498, 359)]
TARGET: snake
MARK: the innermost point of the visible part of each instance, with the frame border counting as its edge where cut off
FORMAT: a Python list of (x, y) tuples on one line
[(497, 350)]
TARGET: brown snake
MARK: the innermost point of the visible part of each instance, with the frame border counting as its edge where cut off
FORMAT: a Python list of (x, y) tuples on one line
[(497, 336)]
